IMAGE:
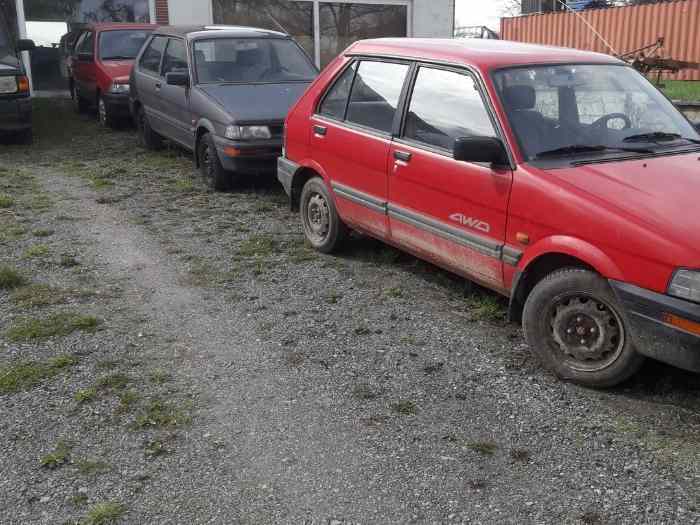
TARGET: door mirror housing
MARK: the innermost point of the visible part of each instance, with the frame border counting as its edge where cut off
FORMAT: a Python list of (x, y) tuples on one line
[(177, 78), (697, 126), (490, 150), (24, 44)]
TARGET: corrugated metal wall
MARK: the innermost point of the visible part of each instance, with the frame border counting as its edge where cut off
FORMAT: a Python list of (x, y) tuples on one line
[(624, 28)]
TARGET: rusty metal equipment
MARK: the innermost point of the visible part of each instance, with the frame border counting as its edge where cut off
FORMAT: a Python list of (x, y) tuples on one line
[(649, 60)]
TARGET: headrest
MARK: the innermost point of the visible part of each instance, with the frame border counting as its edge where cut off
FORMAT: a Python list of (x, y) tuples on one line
[(520, 97)]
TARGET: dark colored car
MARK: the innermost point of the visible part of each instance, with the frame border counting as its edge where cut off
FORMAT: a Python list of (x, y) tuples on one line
[(15, 94), (221, 92), (66, 49), (102, 60)]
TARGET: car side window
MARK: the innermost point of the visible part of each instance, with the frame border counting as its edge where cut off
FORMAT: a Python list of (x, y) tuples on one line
[(151, 58), (87, 45), (375, 94), (446, 105), (336, 100), (175, 56), (79, 43)]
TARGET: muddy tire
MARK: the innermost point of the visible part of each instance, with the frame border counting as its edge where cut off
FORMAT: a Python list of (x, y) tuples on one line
[(80, 105), (104, 117), (575, 326), (215, 176), (322, 226), (149, 138)]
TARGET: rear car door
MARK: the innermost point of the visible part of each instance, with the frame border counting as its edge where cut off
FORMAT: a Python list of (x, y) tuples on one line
[(452, 212), (175, 110), (84, 71), (149, 82), (351, 137)]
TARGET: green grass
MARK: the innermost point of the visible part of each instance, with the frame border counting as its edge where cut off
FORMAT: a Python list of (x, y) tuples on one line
[(37, 250), (34, 295), (85, 395), (104, 513), (56, 325), (88, 467), (127, 401), (486, 307), (10, 278), (116, 381), (28, 374), (485, 448), (6, 201), (687, 91), (161, 414), (405, 408), (257, 246), (42, 233), (58, 457)]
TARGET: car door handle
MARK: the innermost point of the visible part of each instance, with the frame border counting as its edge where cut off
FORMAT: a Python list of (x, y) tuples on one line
[(320, 130), (158, 85), (402, 156)]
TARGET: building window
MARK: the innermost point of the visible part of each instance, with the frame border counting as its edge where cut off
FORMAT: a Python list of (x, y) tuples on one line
[(292, 17), (341, 24)]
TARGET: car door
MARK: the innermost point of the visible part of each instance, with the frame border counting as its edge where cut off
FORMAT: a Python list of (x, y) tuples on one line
[(175, 111), (351, 137), (149, 82), (85, 74), (451, 212)]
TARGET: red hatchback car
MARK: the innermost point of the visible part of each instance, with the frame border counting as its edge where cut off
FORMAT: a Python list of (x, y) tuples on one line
[(561, 179), (100, 68)]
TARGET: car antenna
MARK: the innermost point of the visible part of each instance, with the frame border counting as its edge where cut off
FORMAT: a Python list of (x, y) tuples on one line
[(589, 25), (280, 26)]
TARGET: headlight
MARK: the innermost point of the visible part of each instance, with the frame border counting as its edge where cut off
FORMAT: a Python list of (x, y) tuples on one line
[(686, 285), (119, 88), (247, 132)]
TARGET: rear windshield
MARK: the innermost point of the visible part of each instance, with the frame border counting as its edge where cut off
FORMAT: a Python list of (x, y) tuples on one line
[(122, 44), (251, 60)]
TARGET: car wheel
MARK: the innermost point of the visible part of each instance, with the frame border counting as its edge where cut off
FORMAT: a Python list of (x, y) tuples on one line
[(574, 324), (322, 225), (149, 138), (214, 174), (79, 103), (104, 117)]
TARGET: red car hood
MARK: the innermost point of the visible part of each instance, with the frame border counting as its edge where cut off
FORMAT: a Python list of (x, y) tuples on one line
[(117, 68), (661, 194)]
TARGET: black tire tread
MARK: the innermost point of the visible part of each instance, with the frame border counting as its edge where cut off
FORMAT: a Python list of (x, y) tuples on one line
[(339, 230)]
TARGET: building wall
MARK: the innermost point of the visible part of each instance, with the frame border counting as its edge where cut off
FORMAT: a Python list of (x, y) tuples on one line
[(624, 28)]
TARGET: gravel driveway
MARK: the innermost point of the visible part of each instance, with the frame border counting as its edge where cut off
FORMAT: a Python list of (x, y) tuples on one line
[(169, 355)]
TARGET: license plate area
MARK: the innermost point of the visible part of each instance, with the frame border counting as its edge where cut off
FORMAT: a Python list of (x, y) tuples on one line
[(8, 85)]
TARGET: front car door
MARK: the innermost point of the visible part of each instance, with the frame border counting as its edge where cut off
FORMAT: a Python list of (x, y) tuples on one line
[(84, 66), (149, 82), (175, 110), (351, 137), (453, 213)]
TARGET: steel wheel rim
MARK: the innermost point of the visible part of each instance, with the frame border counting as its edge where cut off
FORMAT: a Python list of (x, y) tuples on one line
[(586, 331), (317, 219)]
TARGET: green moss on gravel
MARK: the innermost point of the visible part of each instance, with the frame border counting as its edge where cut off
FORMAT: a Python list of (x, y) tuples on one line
[(10, 278), (38, 250), (104, 513), (6, 201), (28, 374), (58, 457), (56, 325)]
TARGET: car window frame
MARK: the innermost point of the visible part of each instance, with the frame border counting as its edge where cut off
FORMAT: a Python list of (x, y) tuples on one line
[(485, 99), (183, 41), (149, 72), (83, 39), (358, 59), (336, 79)]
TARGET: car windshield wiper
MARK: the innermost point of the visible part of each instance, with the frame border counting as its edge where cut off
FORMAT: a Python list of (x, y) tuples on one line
[(658, 136), (585, 148)]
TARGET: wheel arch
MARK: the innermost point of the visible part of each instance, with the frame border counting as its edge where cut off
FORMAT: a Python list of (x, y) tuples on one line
[(203, 127), (305, 172)]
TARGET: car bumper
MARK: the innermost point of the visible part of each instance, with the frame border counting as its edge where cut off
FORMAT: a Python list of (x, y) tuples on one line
[(662, 326), (117, 104), (248, 158), (286, 169), (15, 114)]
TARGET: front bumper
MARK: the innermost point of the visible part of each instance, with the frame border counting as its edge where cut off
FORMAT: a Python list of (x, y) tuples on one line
[(248, 158), (117, 104), (286, 169), (15, 114), (648, 314)]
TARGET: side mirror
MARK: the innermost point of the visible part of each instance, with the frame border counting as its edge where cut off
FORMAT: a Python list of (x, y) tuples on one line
[(481, 149), (697, 126), (177, 78), (24, 44)]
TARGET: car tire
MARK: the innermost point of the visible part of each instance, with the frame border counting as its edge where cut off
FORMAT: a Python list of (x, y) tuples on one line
[(80, 105), (210, 167), (104, 116), (322, 225), (149, 138), (578, 330)]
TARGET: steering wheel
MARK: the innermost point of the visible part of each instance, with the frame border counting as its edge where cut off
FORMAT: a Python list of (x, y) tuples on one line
[(602, 122)]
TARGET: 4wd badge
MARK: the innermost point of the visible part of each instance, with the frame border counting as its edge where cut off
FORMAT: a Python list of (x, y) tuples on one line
[(470, 222)]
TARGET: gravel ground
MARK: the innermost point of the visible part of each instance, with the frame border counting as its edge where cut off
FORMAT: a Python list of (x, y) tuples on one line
[(183, 357)]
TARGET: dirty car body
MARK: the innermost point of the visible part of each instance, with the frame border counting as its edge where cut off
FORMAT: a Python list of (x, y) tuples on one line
[(558, 178)]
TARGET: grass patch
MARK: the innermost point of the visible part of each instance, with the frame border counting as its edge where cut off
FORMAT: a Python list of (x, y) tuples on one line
[(257, 246), (485, 448), (100, 183), (364, 392), (79, 500), (184, 185), (57, 325), (483, 307), (85, 395), (42, 233), (35, 295), (405, 407), (88, 467), (6, 201), (37, 250), (68, 261), (116, 381), (394, 292), (127, 401), (159, 376), (28, 374), (682, 90), (10, 278), (104, 513), (161, 414), (155, 448), (58, 457)]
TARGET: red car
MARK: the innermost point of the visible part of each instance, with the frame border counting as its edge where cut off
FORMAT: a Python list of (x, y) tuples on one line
[(561, 179), (101, 64)]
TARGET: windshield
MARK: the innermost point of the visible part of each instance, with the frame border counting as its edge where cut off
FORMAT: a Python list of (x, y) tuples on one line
[(251, 60), (589, 110), (122, 44)]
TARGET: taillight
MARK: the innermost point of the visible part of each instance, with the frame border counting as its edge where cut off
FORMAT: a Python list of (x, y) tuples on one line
[(22, 84)]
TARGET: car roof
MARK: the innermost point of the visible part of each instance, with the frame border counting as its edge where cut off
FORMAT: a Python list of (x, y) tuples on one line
[(482, 54), (109, 26), (219, 31)]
